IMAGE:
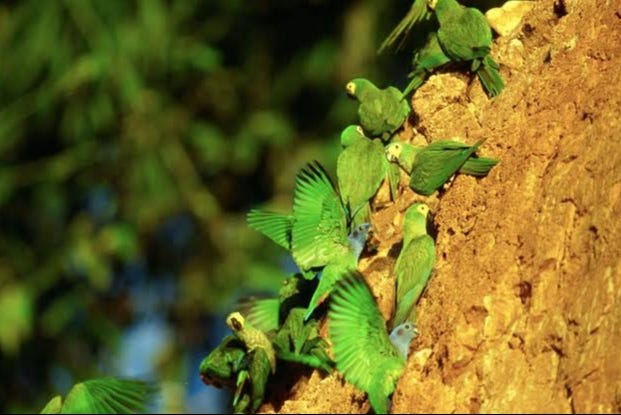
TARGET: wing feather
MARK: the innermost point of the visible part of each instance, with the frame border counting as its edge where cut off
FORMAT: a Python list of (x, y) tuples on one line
[(319, 231)]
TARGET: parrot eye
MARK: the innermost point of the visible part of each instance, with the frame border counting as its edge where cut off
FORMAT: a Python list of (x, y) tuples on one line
[(236, 324), (408, 327)]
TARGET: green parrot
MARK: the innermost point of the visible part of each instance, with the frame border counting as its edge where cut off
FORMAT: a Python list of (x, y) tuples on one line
[(415, 263), (316, 203), (107, 395), (298, 341), (363, 350), (433, 165), (260, 355), (224, 362), (465, 35), (254, 339), (428, 58), (419, 12), (382, 111), (358, 185)]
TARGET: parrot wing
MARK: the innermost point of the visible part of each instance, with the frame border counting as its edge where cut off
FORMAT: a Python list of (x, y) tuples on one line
[(108, 396), (360, 342), (319, 231), (275, 226)]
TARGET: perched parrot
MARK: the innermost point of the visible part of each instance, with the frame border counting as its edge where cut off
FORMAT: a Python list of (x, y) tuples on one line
[(419, 12), (381, 111), (107, 395), (361, 168), (415, 263), (362, 348), (433, 165), (465, 35), (261, 359), (428, 58), (254, 339)]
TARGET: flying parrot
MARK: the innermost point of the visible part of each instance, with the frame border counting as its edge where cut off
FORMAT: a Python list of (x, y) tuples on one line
[(362, 348), (106, 395), (361, 168), (419, 13), (414, 264), (381, 111), (465, 35), (317, 225), (433, 165)]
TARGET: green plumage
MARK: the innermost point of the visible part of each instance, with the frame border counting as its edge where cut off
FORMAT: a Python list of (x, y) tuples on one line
[(316, 231), (428, 58), (362, 348), (361, 168), (433, 165), (415, 263), (107, 395), (253, 338), (319, 233), (465, 35), (382, 111), (418, 12)]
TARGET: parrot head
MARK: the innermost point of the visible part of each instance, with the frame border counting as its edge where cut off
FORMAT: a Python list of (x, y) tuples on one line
[(401, 337), (393, 152), (351, 134), (235, 321), (358, 238), (350, 88)]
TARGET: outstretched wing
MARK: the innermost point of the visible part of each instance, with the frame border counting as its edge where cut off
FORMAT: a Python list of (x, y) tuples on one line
[(275, 226), (108, 396), (437, 162), (319, 231), (361, 346)]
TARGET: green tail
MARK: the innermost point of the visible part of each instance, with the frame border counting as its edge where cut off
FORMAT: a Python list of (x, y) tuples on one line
[(417, 80), (490, 77), (478, 166)]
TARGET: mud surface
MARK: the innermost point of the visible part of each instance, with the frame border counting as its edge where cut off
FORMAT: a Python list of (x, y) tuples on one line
[(523, 313)]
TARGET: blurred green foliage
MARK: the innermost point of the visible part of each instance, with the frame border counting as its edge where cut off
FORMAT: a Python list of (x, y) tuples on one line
[(140, 132)]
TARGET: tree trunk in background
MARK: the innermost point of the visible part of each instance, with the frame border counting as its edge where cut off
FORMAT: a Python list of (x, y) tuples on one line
[(523, 313)]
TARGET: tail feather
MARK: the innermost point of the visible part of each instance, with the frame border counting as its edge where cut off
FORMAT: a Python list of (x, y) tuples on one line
[(478, 166), (490, 77)]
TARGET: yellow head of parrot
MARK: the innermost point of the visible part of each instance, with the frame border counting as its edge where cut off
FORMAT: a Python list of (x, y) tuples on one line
[(393, 152), (351, 89), (235, 321)]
